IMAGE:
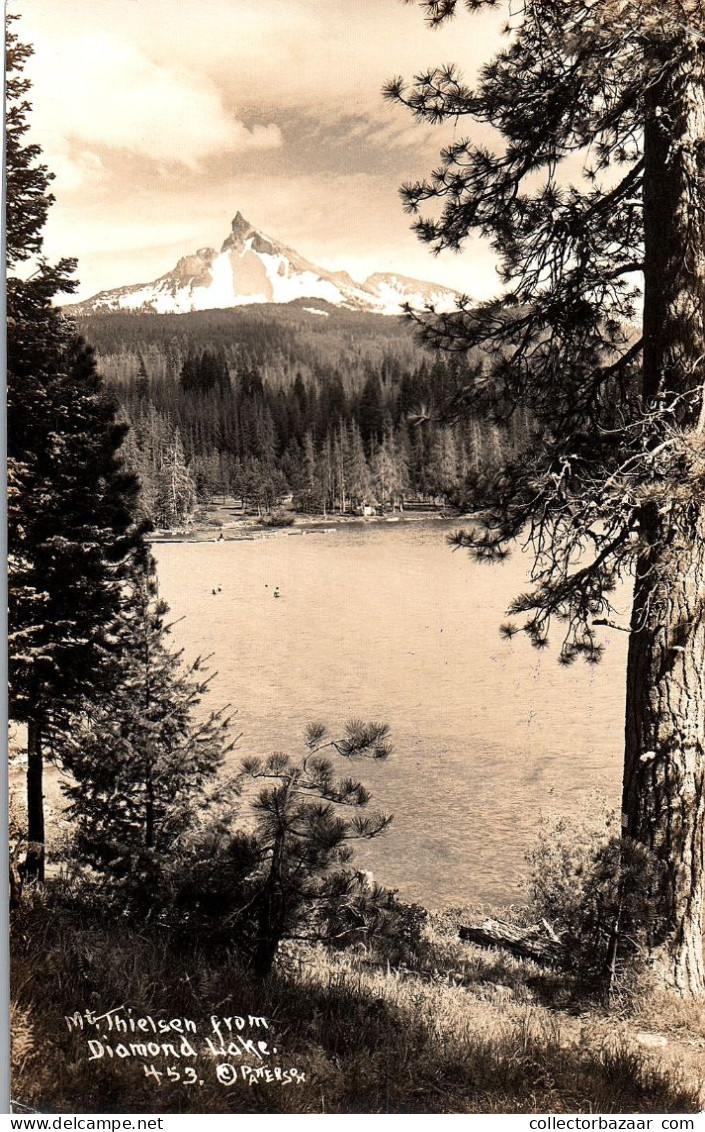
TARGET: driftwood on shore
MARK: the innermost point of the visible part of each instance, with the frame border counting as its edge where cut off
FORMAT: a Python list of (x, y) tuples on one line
[(537, 942)]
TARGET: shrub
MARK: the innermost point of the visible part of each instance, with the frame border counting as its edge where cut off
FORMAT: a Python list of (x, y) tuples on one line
[(276, 519), (602, 896), (357, 910)]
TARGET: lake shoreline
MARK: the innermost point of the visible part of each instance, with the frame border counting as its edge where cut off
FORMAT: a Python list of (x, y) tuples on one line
[(208, 528)]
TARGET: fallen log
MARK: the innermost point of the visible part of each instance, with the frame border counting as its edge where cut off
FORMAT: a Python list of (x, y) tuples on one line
[(537, 942)]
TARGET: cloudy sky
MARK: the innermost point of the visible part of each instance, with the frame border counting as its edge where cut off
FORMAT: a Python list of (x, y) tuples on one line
[(163, 118)]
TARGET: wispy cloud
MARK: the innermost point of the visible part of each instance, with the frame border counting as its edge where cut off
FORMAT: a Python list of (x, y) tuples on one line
[(121, 99), (161, 121)]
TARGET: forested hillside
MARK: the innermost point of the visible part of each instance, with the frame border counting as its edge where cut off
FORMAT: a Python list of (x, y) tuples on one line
[(337, 408)]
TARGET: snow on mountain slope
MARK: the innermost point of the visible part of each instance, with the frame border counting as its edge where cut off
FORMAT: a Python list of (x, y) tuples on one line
[(392, 290), (253, 268)]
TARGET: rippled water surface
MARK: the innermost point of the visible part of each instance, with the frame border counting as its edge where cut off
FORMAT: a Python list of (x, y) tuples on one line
[(385, 622)]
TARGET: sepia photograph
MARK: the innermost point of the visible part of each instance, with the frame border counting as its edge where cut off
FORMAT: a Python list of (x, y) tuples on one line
[(356, 557)]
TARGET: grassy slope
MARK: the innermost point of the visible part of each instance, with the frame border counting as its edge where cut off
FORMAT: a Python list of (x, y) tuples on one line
[(474, 1032)]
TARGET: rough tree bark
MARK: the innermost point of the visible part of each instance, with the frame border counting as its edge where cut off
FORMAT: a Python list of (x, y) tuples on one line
[(664, 773), (674, 221), (34, 863), (271, 916), (149, 820), (664, 780)]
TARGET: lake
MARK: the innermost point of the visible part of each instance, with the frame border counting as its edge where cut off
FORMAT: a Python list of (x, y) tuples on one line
[(385, 622)]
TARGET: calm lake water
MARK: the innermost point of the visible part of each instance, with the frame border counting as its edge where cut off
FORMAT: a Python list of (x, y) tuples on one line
[(385, 622)]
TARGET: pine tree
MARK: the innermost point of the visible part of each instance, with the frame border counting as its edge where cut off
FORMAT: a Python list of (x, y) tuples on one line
[(612, 486), (326, 476), (141, 381), (71, 532), (142, 759), (371, 412), (205, 372), (384, 470), (444, 463), (302, 832), (176, 495), (189, 378), (27, 182), (357, 473)]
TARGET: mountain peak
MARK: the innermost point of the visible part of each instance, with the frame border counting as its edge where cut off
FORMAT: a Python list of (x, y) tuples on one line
[(240, 231), (251, 267), (240, 227)]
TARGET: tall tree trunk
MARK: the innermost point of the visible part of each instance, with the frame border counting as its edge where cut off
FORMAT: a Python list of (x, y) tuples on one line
[(664, 772), (34, 864), (269, 933), (271, 916), (664, 780), (674, 225), (149, 816)]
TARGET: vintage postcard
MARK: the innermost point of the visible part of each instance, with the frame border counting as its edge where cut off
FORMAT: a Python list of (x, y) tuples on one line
[(356, 556)]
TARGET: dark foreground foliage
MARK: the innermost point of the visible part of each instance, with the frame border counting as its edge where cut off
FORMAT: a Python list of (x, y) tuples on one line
[(367, 1037)]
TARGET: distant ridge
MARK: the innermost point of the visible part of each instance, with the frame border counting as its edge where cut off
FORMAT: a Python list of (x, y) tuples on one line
[(251, 267)]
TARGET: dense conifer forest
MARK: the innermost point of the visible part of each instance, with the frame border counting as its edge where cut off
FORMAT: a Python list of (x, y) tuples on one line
[(338, 410)]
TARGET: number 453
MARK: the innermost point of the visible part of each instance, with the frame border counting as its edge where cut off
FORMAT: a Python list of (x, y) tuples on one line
[(187, 1076)]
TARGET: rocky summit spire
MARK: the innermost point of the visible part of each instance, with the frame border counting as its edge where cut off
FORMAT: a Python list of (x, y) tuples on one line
[(240, 230)]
